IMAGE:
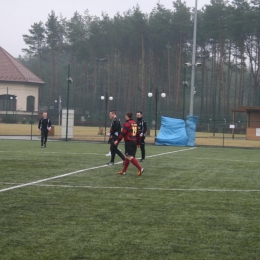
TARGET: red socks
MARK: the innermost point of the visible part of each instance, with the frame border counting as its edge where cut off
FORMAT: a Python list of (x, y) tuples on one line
[(136, 164), (126, 163)]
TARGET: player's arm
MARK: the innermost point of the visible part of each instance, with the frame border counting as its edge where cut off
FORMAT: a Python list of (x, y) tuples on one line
[(113, 127), (39, 125), (49, 125), (117, 126), (138, 137), (122, 135), (144, 128)]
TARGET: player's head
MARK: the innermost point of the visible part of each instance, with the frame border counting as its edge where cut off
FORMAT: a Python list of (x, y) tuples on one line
[(44, 114), (112, 114), (129, 115), (139, 114)]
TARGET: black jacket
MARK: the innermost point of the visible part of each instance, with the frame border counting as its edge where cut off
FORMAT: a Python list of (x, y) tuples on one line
[(115, 127), (142, 126), (44, 124)]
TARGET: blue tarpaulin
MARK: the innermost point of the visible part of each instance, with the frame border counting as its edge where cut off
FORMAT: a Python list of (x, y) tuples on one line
[(172, 132), (177, 132), (191, 123)]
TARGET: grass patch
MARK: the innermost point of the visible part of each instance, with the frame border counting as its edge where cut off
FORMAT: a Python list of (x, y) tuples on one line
[(198, 203)]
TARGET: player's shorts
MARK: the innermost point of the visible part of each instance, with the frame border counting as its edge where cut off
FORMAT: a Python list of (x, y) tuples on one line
[(130, 148)]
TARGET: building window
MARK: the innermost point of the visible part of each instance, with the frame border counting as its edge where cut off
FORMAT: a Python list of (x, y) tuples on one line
[(8, 102), (30, 103)]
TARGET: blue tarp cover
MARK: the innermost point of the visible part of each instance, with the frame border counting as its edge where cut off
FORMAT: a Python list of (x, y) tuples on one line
[(191, 123), (177, 132), (172, 132)]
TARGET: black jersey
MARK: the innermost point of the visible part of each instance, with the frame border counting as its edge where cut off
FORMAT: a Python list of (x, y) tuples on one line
[(115, 127), (142, 126), (44, 124)]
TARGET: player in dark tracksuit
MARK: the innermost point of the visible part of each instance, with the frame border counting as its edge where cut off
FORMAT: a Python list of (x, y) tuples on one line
[(142, 127), (115, 130), (44, 126)]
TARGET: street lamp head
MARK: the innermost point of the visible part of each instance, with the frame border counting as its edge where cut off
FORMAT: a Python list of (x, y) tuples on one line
[(110, 98), (187, 65), (70, 80), (163, 95), (198, 65), (102, 97), (101, 59), (185, 83), (150, 94)]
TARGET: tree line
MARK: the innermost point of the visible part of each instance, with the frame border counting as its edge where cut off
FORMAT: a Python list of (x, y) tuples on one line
[(135, 53)]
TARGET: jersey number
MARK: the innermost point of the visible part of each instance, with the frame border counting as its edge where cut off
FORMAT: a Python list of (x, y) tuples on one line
[(134, 130)]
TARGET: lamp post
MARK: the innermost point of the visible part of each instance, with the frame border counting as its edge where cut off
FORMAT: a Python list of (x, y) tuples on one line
[(32, 118), (59, 110), (69, 80), (13, 102), (193, 59), (106, 98), (6, 105), (163, 95), (101, 61), (185, 84)]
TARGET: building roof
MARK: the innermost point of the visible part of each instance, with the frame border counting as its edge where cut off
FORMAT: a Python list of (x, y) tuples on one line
[(247, 109), (12, 70)]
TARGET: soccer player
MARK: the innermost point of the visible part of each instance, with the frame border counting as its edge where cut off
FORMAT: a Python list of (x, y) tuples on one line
[(142, 127), (115, 130), (131, 136), (44, 126)]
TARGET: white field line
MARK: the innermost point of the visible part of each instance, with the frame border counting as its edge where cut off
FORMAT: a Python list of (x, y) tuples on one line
[(227, 160), (195, 158), (56, 153), (75, 172), (138, 188)]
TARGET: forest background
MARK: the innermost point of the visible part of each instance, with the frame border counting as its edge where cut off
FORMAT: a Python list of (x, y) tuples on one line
[(135, 53)]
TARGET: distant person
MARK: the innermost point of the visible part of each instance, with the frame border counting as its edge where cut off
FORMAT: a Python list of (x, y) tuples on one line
[(131, 136), (142, 127), (44, 126), (115, 130)]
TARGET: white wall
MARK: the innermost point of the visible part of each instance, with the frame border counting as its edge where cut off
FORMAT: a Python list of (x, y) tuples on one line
[(22, 91)]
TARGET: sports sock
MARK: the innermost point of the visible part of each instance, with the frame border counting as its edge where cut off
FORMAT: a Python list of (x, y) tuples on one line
[(126, 163), (136, 164)]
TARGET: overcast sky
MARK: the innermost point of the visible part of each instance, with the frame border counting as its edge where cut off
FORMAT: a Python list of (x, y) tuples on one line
[(17, 16)]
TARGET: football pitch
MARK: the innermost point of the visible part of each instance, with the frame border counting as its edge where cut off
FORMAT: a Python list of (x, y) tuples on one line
[(64, 202)]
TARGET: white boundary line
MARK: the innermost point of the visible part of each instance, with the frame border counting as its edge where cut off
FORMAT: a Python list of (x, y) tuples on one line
[(56, 153), (51, 178), (156, 189), (75, 172), (138, 188)]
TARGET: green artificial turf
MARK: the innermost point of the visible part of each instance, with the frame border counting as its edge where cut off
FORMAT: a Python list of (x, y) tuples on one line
[(190, 203)]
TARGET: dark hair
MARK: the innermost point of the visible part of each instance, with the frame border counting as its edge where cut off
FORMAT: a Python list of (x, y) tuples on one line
[(139, 112), (112, 111), (129, 115)]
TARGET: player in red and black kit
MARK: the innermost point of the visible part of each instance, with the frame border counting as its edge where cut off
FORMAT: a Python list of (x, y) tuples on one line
[(115, 130), (130, 133)]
